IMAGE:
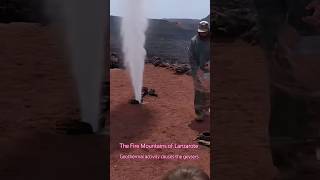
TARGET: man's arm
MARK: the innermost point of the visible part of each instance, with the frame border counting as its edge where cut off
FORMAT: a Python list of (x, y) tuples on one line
[(192, 59)]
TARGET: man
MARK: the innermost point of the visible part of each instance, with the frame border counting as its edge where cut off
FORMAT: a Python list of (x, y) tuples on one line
[(290, 35), (199, 57)]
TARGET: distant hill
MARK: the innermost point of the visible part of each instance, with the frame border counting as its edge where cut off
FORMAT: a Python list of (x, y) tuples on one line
[(166, 38), (190, 24)]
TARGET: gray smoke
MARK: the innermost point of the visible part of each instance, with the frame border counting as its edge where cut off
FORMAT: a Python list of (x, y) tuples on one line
[(84, 26)]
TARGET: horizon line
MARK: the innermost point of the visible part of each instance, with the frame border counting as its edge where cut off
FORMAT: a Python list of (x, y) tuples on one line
[(165, 18)]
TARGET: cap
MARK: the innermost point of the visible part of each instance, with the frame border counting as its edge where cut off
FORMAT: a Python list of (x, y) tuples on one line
[(203, 26)]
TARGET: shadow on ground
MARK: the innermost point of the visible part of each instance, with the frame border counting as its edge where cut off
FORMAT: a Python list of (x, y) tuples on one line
[(127, 123)]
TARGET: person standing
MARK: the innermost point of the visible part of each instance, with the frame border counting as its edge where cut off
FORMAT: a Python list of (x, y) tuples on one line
[(199, 57)]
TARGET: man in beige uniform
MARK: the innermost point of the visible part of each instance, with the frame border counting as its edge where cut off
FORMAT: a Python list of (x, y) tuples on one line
[(199, 57)]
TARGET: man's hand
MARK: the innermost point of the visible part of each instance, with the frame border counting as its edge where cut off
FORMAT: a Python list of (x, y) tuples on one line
[(202, 81), (314, 19)]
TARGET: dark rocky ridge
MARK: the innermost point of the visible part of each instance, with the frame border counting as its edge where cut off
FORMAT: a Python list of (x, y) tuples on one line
[(165, 38)]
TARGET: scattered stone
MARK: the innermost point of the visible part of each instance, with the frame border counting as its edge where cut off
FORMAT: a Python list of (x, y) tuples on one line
[(204, 139), (203, 142), (177, 68), (156, 61), (144, 91), (114, 61), (134, 101), (188, 73), (164, 65), (152, 92), (182, 69)]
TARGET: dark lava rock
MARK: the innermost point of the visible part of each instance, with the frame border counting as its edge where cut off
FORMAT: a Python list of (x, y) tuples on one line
[(134, 101), (144, 91), (152, 92), (164, 65), (188, 73), (156, 61), (182, 69), (115, 61)]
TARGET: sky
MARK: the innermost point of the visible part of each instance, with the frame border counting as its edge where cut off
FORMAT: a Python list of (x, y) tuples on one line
[(159, 9)]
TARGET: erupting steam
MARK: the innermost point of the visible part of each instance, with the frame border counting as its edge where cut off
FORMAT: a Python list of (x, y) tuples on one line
[(133, 27), (84, 28)]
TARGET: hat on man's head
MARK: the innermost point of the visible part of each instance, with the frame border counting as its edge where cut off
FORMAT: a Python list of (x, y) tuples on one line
[(203, 26)]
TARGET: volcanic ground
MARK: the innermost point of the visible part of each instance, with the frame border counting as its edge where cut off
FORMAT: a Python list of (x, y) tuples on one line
[(166, 119)]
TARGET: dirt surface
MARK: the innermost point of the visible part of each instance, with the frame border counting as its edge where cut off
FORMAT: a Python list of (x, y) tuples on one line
[(165, 119), (37, 91), (240, 113)]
